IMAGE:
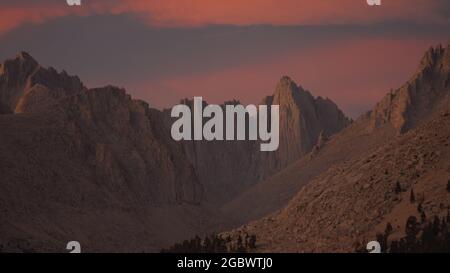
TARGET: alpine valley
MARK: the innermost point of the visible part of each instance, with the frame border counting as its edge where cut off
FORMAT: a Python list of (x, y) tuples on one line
[(97, 166)]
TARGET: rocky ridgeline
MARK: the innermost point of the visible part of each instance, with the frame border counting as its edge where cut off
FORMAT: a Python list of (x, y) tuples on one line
[(357, 196), (25, 86), (407, 106), (101, 156), (228, 168)]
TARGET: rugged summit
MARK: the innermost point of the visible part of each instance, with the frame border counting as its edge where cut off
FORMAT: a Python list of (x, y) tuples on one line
[(354, 201), (302, 119), (25, 86), (228, 168), (84, 163), (421, 96), (367, 133), (360, 179)]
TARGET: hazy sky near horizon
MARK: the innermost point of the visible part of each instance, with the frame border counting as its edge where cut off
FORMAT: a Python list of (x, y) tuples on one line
[(164, 50)]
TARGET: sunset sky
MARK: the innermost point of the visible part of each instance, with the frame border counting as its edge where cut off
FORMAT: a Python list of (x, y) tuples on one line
[(165, 50)]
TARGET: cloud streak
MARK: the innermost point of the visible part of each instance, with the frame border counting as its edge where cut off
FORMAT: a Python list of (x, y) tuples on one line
[(191, 13), (354, 75), (162, 51)]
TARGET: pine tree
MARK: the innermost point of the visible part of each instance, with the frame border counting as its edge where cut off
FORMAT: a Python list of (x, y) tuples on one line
[(427, 238), (411, 226), (207, 245), (423, 217), (398, 188), (252, 242), (412, 197), (434, 237), (197, 243), (246, 240), (436, 225), (443, 224), (394, 247), (420, 208), (388, 230), (382, 239), (240, 247)]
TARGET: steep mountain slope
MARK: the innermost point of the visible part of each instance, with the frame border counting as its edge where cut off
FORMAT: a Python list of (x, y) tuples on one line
[(25, 85), (302, 119), (227, 168), (354, 200), (276, 191), (344, 191), (422, 96), (79, 164), (89, 164), (426, 93)]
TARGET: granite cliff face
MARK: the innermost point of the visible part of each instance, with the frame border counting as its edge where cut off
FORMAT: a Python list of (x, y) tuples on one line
[(228, 168), (99, 162), (411, 105), (344, 192), (303, 119), (89, 163), (112, 131), (26, 86), (353, 201), (421, 96)]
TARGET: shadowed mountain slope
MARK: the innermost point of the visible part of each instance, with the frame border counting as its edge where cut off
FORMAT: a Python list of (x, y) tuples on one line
[(97, 166), (344, 191), (425, 94)]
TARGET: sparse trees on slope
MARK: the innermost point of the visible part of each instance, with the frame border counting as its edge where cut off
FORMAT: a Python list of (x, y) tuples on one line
[(412, 197)]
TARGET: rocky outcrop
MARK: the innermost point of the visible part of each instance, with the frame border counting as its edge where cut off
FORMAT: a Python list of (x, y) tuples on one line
[(223, 169), (227, 168), (344, 193), (407, 106), (117, 135), (127, 142), (302, 119), (370, 131), (84, 163), (25, 86), (99, 155), (353, 201)]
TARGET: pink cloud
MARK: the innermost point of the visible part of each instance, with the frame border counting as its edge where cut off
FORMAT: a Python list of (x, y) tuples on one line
[(355, 74), (234, 12), (278, 12)]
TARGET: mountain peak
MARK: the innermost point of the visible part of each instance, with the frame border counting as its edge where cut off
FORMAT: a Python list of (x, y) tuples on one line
[(286, 92), (431, 57), (25, 58), (24, 55), (25, 85), (286, 79), (22, 62), (425, 93), (286, 84)]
